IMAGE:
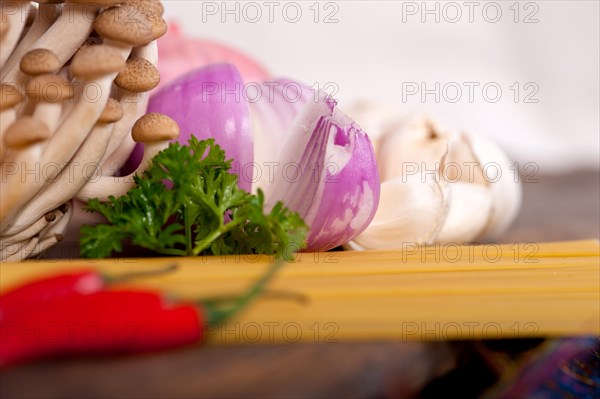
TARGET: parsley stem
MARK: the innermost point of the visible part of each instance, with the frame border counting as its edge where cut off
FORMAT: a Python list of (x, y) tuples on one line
[(217, 316), (188, 231), (208, 240)]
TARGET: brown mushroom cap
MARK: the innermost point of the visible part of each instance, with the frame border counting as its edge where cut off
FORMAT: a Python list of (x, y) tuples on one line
[(49, 89), (93, 61), (40, 61), (113, 112), (159, 25), (10, 95), (125, 24), (153, 7), (97, 3), (26, 131), (154, 127), (138, 76)]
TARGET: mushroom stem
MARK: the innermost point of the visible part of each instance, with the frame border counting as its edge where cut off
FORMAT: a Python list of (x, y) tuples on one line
[(49, 113), (106, 186), (81, 169), (34, 170), (69, 31), (16, 252), (134, 105), (123, 49), (143, 30), (46, 243), (63, 38), (121, 144), (10, 98), (23, 173), (53, 234), (47, 14), (5, 25), (73, 131), (48, 144), (28, 232), (47, 238), (19, 175), (96, 67), (15, 16), (47, 93), (97, 76), (155, 131), (7, 118)]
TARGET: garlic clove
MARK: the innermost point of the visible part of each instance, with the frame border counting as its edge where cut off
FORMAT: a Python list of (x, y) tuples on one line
[(503, 182), (470, 205), (468, 214), (410, 147), (412, 210)]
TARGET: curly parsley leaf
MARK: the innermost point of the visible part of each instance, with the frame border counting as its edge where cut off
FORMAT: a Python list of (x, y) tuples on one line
[(188, 203)]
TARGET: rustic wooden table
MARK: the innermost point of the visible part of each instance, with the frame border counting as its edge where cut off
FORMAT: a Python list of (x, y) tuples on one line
[(555, 208)]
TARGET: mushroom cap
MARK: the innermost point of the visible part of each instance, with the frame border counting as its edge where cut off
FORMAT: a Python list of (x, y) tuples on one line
[(10, 95), (26, 131), (125, 24), (154, 127), (153, 7), (113, 112), (94, 61), (49, 89), (159, 26), (40, 61), (139, 76), (97, 3)]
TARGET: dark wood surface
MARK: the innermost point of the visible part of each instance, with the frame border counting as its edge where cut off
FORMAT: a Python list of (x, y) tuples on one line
[(563, 207)]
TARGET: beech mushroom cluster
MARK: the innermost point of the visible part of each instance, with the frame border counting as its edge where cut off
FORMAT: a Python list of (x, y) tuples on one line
[(75, 77)]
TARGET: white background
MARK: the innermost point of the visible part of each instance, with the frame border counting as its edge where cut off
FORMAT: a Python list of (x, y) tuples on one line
[(378, 47)]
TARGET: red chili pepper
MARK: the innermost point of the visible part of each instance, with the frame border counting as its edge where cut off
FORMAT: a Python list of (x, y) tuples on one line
[(102, 323), (80, 282), (35, 293), (109, 322)]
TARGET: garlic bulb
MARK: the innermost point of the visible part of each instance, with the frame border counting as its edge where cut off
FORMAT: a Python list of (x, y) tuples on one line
[(438, 187)]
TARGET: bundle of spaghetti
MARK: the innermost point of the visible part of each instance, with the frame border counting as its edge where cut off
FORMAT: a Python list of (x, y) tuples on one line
[(427, 293)]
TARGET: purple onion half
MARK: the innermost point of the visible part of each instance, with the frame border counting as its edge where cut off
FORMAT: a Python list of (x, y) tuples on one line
[(335, 184), (209, 102)]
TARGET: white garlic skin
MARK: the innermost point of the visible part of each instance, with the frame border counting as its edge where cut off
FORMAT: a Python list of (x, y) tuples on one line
[(421, 208), (410, 210), (506, 190)]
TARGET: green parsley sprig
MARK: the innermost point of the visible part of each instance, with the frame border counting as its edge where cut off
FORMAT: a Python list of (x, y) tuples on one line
[(188, 203)]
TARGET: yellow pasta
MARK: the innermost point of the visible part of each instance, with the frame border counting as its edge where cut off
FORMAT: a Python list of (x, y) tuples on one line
[(453, 292)]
